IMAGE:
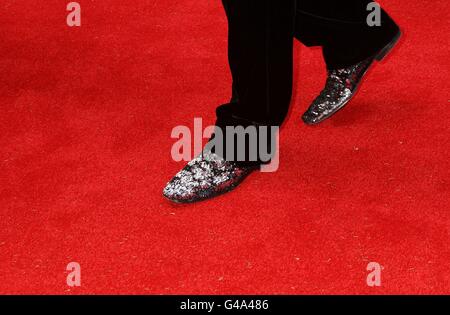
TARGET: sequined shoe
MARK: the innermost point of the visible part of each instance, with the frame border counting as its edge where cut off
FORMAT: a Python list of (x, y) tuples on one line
[(341, 86), (205, 177)]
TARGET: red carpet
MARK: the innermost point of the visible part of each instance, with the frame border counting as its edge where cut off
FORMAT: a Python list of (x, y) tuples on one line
[(85, 121)]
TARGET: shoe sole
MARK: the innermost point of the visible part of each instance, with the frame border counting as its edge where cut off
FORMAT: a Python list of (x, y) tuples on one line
[(226, 190), (378, 57)]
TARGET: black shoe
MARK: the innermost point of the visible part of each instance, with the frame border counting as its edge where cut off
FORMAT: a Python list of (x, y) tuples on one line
[(341, 86), (205, 177)]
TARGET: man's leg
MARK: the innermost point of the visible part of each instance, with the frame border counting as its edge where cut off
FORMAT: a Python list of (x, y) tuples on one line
[(260, 57), (340, 27), (261, 34), (349, 45)]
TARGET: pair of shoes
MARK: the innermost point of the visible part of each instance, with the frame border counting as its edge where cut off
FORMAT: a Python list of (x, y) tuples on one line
[(205, 177), (341, 86), (209, 175)]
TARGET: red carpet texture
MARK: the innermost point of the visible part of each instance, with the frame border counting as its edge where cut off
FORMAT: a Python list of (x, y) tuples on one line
[(86, 115)]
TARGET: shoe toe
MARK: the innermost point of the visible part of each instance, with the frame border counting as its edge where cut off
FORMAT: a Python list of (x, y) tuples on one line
[(204, 179), (181, 189), (311, 117), (174, 191)]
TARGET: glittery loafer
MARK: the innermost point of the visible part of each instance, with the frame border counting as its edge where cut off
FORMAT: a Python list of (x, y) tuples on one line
[(341, 86), (205, 177)]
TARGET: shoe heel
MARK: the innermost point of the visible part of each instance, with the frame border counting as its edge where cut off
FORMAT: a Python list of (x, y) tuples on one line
[(385, 51)]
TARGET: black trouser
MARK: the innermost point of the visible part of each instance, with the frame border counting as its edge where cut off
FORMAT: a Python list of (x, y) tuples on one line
[(340, 27), (261, 34)]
